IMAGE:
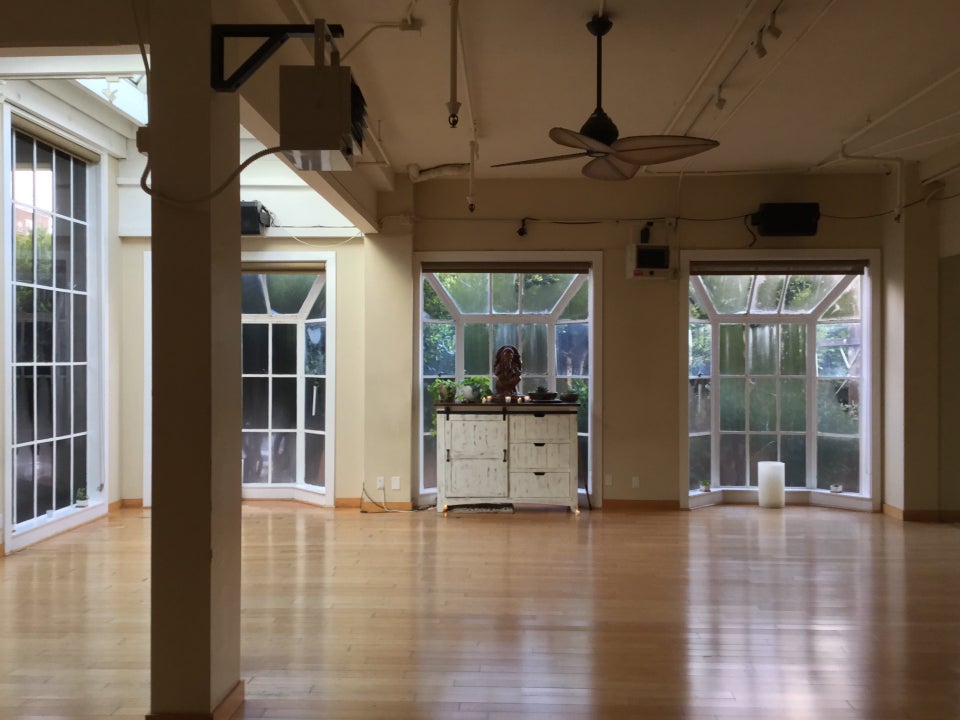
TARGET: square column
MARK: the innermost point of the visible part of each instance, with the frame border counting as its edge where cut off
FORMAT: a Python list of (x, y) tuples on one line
[(193, 146)]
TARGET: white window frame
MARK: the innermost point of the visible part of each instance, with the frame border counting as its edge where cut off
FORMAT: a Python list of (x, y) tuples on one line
[(98, 358), (595, 259), (870, 496), (303, 492)]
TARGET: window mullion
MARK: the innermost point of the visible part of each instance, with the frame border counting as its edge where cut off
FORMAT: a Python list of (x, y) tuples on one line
[(812, 392), (301, 396)]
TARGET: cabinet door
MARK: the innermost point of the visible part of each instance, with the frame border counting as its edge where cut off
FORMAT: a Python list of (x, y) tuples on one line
[(477, 478), (477, 436)]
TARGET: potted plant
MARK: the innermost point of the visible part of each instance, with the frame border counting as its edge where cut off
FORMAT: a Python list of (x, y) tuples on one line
[(474, 388), (542, 393), (443, 390), (704, 486), (82, 500)]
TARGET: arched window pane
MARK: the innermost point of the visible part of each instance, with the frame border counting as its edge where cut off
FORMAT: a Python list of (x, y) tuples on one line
[(433, 307), (804, 292), (286, 292), (252, 301), (506, 293), (767, 296), (470, 291), (728, 293), (541, 292)]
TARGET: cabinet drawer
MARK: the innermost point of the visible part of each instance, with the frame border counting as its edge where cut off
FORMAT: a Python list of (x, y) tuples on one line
[(549, 427), (477, 478), (545, 485), (540, 456)]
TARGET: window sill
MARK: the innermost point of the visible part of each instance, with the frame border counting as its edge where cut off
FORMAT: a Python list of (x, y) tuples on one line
[(41, 528), (792, 496)]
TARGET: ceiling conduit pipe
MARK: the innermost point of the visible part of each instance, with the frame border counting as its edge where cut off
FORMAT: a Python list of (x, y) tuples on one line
[(711, 66), (898, 164)]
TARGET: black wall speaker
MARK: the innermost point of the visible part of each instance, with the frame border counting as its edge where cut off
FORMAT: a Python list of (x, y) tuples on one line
[(786, 219), (254, 217)]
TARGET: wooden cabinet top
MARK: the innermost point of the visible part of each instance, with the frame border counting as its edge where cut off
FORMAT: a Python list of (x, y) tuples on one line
[(506, 408)]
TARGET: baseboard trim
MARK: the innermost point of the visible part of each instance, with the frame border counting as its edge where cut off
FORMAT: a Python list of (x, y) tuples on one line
[(370, 507), (657, 505), (347, 502), (231, 703), (892, 512), (114, 506), (131, 503), (928, 516), (227, 707), (1, 550)]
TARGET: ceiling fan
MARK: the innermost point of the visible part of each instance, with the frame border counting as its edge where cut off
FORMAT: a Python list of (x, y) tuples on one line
[(613, 158)]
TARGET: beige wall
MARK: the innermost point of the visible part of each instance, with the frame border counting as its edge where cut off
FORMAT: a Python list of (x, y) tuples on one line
[(949, 231), (641, 364), (131, 367)]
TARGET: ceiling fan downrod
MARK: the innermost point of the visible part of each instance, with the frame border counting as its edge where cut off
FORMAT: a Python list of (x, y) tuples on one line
[(599, 126)]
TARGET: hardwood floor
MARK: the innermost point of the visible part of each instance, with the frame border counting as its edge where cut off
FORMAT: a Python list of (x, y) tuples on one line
[(722, 613)]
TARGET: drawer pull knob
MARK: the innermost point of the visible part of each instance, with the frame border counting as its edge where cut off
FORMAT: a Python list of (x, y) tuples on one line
[(539, 414), (448, 454), (539, 444), (504, 454), (540, 472)]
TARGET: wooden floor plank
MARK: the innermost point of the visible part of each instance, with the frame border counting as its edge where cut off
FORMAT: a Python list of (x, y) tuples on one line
[(722, 613)]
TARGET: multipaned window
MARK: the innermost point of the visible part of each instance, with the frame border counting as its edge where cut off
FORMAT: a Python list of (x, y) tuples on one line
[(50, 309), (468, 315), (284, 378), (775, 369)]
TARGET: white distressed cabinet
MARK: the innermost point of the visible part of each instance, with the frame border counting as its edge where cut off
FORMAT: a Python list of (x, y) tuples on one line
[(525, 453)]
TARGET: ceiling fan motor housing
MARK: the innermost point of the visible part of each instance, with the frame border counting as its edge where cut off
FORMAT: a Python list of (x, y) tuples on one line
[(600, 127)]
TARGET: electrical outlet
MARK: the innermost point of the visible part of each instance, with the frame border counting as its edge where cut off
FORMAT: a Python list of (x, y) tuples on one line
[(608, 480), (379, 482), (395, 482), (635, 481)]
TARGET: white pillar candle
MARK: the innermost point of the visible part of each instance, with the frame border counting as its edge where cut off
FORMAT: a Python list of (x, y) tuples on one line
[(770, 483)]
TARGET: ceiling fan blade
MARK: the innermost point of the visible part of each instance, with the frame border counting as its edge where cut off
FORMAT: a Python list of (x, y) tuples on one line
[(609, 168), (654, 149), (562, 136), (534, 161)]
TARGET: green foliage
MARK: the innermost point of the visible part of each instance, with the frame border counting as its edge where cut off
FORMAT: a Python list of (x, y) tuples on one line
[(433, 307), (480, 385), (81, 493), (439, 348), (443, 390), (582, 388), (699, 360)]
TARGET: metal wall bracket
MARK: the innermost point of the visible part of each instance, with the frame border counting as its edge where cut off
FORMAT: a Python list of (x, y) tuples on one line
[(274, 37)]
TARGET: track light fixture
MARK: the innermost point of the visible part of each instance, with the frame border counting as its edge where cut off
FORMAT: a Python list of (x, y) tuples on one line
[(721, 102), (772, 28), (758, 47)]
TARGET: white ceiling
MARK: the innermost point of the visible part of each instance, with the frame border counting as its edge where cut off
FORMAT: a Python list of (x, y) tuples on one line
[(882, 76)]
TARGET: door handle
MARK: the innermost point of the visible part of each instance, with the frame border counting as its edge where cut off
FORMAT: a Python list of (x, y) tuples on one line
[(448, 454), (504, 454)]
